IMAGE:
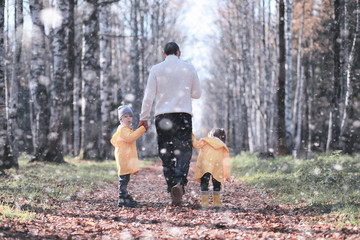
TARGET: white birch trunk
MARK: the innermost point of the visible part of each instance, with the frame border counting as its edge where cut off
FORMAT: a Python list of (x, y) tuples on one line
[(349, 83), (13, 128), (77, 86), (345, 58), (288, 67), (6, 157), (121, 68), (274, 67), (135, 99), (91, 119), (257, 85), (297, 104), (310, 94), (105, 148), (247, 82), (60, 71), (267, 79), (300, 110), (39, 84)]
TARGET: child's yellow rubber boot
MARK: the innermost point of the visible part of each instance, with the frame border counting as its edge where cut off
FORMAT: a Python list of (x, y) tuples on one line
[(216, 199), (204, 199)]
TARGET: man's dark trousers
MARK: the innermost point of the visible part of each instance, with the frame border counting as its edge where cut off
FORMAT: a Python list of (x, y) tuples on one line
[(175, 146)]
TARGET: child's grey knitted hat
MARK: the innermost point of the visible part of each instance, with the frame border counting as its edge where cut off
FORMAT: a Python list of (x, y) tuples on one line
[(122, 110)]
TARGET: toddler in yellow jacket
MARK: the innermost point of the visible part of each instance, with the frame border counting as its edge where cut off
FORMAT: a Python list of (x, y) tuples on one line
[(126, 153), (213, 162)]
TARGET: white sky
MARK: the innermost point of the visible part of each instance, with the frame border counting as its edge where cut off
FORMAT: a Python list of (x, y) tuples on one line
[(198, 25)]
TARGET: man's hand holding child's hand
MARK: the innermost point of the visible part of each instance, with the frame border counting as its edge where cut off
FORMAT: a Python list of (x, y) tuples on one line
[(143, 123)]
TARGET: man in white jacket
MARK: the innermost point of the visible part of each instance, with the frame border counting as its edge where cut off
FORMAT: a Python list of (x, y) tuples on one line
[(172, 84)]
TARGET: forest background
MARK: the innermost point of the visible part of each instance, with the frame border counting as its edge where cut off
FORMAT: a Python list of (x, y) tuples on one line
[(283, 76)]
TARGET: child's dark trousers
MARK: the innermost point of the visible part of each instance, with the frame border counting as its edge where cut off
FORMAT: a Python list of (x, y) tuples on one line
[(123, 182), (204, 184)]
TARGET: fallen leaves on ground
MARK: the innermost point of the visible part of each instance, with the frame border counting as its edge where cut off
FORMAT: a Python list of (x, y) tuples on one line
[(247, 214)]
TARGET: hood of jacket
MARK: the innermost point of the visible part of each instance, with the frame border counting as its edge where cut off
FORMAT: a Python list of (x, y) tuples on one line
[(215, 143)]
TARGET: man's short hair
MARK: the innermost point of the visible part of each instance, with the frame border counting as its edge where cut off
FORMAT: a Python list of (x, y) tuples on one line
[(171, 48)]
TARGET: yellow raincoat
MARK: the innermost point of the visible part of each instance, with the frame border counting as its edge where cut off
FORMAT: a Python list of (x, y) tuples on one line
[(125, 149), (213, 158)]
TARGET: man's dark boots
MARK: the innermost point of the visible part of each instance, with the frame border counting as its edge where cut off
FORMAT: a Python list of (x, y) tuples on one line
[(176, 193)]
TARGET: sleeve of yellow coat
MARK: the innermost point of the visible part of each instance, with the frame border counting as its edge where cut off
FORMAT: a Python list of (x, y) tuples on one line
[(227, 165), (125, 134), (196, 144)]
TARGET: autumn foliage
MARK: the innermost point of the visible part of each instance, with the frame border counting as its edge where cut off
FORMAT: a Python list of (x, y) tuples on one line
[(86, 208)]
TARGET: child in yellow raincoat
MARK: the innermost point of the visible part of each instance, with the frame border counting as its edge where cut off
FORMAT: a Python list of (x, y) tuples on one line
[(213, 161), (126, 154)]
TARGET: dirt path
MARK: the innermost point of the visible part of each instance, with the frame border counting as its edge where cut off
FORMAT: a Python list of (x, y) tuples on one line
[(247, 214)]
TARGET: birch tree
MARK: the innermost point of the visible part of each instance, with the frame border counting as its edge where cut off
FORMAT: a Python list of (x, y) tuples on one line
[(299, 86), (77, 106), (354, 52), (247, 77), (60, 72), (13, 128), (134, 99), (267, 89), (90, 73), (288, 66), (334, 125), (39, 84), (274, 75), (104, 81), (236, 74), (310, 96), (7, 160)]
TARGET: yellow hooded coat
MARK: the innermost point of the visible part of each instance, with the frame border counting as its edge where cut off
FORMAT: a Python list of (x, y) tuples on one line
[(213, 158), (125, 149)]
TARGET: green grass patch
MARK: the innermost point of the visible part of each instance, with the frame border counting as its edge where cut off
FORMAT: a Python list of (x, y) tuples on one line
[(13, 213), (328, 184), (37, 187)]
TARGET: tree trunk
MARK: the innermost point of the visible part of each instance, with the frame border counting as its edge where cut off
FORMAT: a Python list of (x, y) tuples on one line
[(281, 129), (105, 149), (60, 71), (289, 82), (7, 159), (91, 95), (77, 86), (334, 127), (349, 84), (39, 84), (247, 76), (299, 86), (134, 99), (310, 95), (68, 112), (13, 127), (273, 85), (300, 110), (267, 92)]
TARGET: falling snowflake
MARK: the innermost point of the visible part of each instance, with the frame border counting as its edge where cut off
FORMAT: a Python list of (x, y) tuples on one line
[(165, 124), (51, 17), (130, 97)]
